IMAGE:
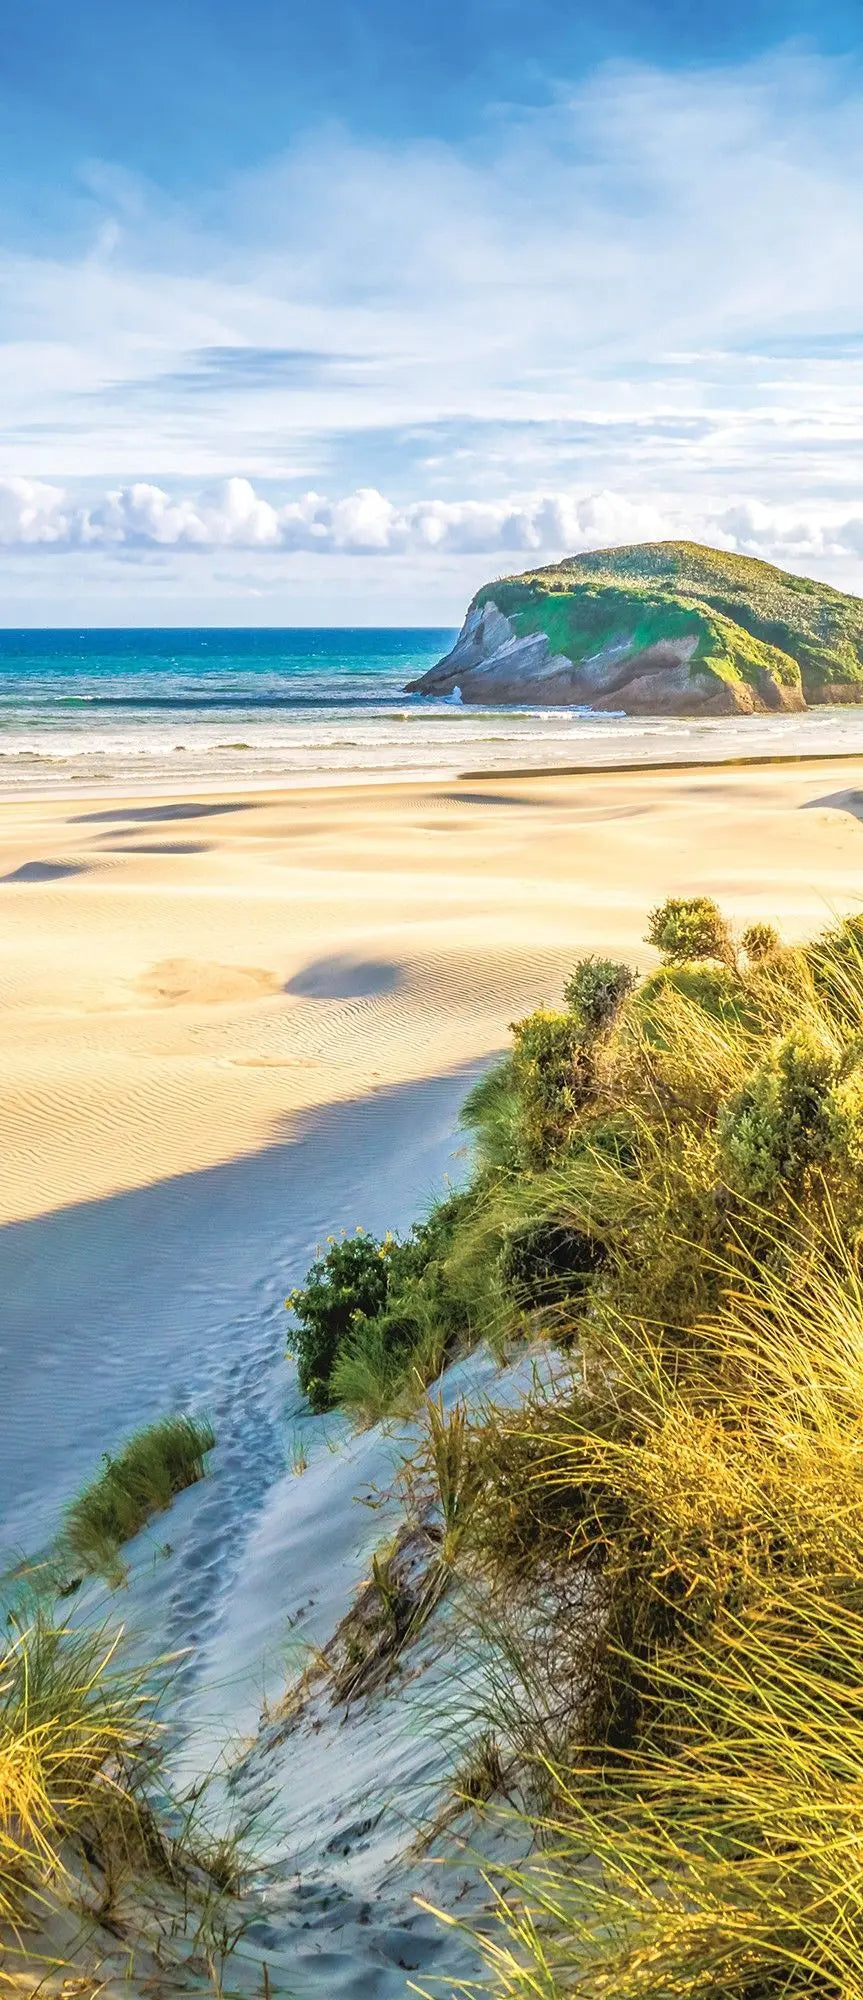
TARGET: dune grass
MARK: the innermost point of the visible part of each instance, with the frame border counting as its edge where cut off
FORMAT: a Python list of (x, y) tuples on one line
[(77, 1738), (154, 1466), (98, 1860), (664, 1543), (667, 1537), (381, 1372), (703, 1830)]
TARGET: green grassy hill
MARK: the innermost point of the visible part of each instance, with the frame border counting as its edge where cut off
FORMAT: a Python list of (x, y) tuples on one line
[(663, 628), (751, 618)]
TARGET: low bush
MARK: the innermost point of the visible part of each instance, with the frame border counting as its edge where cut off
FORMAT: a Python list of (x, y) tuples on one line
[(760, 940), (374, 1319), (782, 1124), (595, 992), (348, 1280), (153, 1467), (688, 927)]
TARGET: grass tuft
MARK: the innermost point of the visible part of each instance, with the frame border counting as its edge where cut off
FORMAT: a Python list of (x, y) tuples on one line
[(77, 1737), (153, 1467)]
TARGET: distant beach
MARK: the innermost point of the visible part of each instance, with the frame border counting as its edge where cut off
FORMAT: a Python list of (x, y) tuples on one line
[(143, 712)]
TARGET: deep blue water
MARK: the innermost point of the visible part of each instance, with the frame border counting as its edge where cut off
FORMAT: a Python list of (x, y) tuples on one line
[(199, 670)]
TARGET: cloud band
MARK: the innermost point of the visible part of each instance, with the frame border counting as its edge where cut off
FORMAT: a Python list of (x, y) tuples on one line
[(36, 515)]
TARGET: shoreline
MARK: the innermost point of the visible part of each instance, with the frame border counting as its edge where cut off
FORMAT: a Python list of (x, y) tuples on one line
[(287, 786), (673, 764)]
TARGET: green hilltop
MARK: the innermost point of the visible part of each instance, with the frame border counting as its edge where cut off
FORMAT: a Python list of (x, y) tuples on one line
[(755, 624), (657, 628)]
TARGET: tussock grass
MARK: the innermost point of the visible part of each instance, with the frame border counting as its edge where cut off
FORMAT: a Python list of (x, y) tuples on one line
[(77, 1739), (446, 1457), (666, 1540), (153, 1467), (98, 1862), (706, 1829), (376, 1376), (702, 1828)]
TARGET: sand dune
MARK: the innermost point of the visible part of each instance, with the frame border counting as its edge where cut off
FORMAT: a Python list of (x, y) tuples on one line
[(217, 1048), (166, 1005)]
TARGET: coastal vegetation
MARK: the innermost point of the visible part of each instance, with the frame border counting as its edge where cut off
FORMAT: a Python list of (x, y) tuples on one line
[(662, 1543), (154, 1465), (375, 1319), (104, 1876)]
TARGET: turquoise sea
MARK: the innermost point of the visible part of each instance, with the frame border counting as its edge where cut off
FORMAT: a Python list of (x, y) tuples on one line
[(145, 710)]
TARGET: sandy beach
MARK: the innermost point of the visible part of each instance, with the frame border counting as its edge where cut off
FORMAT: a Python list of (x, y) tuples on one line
[(182, 978)]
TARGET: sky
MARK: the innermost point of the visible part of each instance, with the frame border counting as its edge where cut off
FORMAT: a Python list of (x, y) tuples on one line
[(327, 315)]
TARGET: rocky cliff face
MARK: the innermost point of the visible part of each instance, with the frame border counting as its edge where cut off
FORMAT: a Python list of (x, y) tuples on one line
[(656, 629), (491, 663)]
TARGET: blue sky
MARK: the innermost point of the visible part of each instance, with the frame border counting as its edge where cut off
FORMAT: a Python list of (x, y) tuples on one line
[(328, 314)]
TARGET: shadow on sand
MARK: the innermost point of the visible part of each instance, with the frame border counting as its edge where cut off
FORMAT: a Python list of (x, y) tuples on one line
[(46, 871), (849, 802), (158, 847), (173, 1294), (342, 977), (192, 809)]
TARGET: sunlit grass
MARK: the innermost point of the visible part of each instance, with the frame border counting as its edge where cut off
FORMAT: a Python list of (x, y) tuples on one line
[(77, 1735)]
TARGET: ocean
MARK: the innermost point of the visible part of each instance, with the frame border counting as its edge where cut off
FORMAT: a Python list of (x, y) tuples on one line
[(148, 710)]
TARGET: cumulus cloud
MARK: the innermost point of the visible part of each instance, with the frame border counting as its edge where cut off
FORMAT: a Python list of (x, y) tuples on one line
[(233, 515)]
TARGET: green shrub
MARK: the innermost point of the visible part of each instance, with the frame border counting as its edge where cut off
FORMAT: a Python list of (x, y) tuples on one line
[(155, 1465), (552, 1073), (782, 1122), (761, 940), (367, 1305), (349, 1281), (595, 992), (687, 927)]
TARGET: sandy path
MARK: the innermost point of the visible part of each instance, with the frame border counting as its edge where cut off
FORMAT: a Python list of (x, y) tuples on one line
[(180, 979)]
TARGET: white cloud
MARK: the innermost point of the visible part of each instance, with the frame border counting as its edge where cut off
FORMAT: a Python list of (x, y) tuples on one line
[(233, 515)]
